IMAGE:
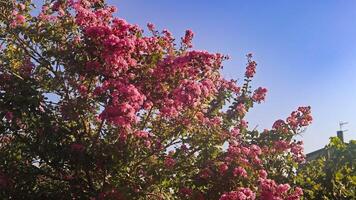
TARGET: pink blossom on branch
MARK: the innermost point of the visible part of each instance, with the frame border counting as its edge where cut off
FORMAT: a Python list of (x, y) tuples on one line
[(187, 39), (259, 94), (251, 67), (239, 194)]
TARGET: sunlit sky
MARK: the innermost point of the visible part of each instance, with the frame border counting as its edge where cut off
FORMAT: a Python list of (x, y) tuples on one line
[(306, 52)]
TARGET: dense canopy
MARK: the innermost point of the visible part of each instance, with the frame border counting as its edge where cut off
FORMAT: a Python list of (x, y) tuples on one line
[(93, 107)]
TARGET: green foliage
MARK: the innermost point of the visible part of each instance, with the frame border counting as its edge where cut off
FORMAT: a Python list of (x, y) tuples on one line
[(333, 174)]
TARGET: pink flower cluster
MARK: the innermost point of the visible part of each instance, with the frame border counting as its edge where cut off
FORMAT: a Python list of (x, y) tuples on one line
[(271, 190), (169, 162), (197, 81), (125, 102), (239, 171), (241, 109), (300, 118), (18, 19), (251, 67), (239, 194), (171, 84), (297, 120), (295, 148), (243, 155), (187, 40), (188, 94), (259, 94)]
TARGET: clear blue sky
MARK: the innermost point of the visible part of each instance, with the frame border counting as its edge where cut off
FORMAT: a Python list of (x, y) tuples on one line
[(306, 52)]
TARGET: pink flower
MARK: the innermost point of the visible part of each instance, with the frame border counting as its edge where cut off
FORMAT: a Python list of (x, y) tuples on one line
[(169, 162), (243, 124), (297, 150), (256, 160), (281, 145), (141, 134), (235, 132), (168, 37), (147, 143), (22, 6), (262, 173), (298, 191), (245, 150), (239, 194), (83, 90), (187, 40), (151, 27), (259, 94), (250, 69), (147, 105), (241, 109), (282, 188), (216, 121), (14, 13), (98, 31), (20, 19), (244, 161), (255, 150), (300, 118), (234, 149), (267, 187), (239, 171), (281, 126), (223, 168)]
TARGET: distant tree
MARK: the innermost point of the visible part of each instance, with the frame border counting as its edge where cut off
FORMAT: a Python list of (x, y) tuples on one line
[(91, 107), (333, 174)]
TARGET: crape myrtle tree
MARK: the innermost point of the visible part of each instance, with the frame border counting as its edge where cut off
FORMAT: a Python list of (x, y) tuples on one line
[(91, 107)]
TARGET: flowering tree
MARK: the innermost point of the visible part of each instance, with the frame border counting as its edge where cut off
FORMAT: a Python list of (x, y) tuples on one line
[(91, 107)]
